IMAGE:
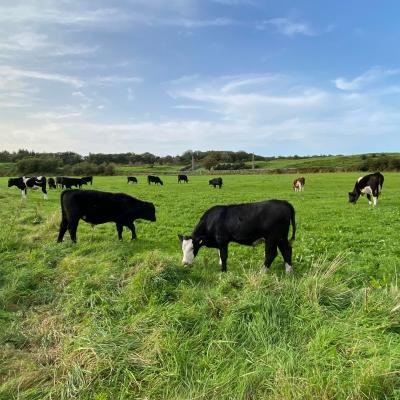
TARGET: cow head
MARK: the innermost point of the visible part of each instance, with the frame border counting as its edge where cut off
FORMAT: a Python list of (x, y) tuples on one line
[(150, 212), (161, 182), (12, 182), (353, 197), (190, 248)]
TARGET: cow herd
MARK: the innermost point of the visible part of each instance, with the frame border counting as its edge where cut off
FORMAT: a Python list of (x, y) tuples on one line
[(250, 223)]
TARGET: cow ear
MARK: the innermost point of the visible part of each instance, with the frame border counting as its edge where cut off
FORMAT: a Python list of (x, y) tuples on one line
[(180, 238)]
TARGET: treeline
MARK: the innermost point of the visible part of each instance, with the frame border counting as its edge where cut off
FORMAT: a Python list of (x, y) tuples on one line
[(48, 165), (381, 162), (30, 162), (71, 158)]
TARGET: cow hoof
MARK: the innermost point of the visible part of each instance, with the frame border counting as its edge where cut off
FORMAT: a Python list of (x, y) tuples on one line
[(288, 268)]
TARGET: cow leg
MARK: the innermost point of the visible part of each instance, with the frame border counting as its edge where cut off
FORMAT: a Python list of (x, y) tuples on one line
[(375, 194), (223, 256), (44, 193), (131, 226), (270, 253), (72, 227), (286, 251), (119, 230), (369, 199), (63, 229), (23, 193)]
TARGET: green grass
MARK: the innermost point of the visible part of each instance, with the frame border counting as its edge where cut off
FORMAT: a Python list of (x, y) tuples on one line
[(105, 319)]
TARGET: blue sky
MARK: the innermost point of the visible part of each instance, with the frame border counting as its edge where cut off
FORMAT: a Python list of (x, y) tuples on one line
[(273, 77)]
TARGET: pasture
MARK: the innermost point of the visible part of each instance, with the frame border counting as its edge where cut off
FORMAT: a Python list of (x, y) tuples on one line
[(105, 319)]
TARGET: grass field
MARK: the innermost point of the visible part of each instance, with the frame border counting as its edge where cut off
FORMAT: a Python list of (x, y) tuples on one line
[(105, 319)]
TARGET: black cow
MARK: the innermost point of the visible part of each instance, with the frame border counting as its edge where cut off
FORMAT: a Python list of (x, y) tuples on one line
[(52, 183), (34, 183), (371, 185), (67, 182), (215, 182), (88, 179), (132, 179), (97, 207), (154, 179), (247, 224), (183, 178), (59, 180)]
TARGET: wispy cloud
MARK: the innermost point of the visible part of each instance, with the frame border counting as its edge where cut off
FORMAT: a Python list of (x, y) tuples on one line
[(287, 27), (372, 76), (16, 73)]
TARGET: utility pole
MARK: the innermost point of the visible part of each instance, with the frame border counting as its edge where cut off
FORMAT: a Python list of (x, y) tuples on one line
[(252, 160), (192, 161)]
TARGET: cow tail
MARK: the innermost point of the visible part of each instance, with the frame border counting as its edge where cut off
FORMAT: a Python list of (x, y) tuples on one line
[(293, 221), (63, 212)]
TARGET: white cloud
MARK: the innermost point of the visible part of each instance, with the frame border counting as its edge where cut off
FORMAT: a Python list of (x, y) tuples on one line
[(9, 72), (288, 27), (372, 76)]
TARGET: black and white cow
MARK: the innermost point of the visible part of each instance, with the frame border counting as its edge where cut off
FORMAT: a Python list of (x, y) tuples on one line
[(132, 179), (215, 182), (183, 178), (154, 179), (371, 185), (23, 183), (88, 179), (97, 207), (247, 224), (52, 183), (67, 182)]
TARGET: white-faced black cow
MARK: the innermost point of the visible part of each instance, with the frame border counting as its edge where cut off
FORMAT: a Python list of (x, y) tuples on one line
[(88, 179), (371, 185), (183, 178), (97, 207), (67, 182), (215, 182), (247, 224), (132, 179), (154, 179), (298, 184), (23, 183), (52, 183)]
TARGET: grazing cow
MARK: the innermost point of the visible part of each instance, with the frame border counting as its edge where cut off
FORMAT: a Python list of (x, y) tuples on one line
[(183, 178), (215, 182), (298, 184), (154, 179), (371, 185), (247, 224), (34, 183), (97, 207), (59, 180), (67, 183), (88, 179), (52, 183), (132, 179)]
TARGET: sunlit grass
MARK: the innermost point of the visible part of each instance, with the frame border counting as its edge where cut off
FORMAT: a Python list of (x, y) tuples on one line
[(105, 319)]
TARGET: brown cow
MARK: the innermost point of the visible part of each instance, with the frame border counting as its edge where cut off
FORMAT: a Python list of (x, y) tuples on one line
[(298, 184)]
